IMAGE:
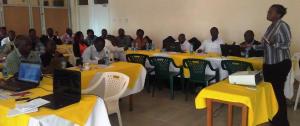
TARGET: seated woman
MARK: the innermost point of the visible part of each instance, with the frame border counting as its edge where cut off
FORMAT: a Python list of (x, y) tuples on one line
[(79, 46), (52, 59)]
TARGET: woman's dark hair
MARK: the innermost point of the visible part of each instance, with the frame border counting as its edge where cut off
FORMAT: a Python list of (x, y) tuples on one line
[(280, 9), (77, 36)]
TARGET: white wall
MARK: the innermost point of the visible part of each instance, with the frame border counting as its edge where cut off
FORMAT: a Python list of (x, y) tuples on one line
[(161, 18)]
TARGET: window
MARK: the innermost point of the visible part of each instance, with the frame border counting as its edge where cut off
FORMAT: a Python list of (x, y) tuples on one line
[(100, 1), (54, 3), (15, 2), (83, 2)]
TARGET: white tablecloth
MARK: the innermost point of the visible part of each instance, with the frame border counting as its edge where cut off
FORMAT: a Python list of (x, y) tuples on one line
[(98, 117), (139, 84)]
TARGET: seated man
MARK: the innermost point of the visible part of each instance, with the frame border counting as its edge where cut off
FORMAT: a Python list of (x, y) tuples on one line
[(8, 43), (111, 45), (91, 37), (67, 38), (3, 33), (104, 34), (51, 36), (52, 59), (96, 53), (212, 45), (140, 41), (123, 40), (37, 45), (22, 53), (247, 45), (184, 45)]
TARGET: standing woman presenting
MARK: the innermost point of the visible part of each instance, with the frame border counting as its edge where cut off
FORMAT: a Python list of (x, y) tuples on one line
[(277, 62)]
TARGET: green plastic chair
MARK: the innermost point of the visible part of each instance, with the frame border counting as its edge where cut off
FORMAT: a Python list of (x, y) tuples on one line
[(137, 58), (162, 72), (141, 59), (233, 66), (197, 69)]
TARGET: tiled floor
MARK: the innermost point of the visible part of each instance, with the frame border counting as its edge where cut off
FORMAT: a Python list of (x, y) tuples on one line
[(161, 111)]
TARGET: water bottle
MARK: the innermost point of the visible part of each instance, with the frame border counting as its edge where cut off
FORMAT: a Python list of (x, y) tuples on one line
[(106, 58), (132, 46), (247, 52), (191, 49), (147, 46), (4, 71), (63, 64), (136, 46), (152, 46)]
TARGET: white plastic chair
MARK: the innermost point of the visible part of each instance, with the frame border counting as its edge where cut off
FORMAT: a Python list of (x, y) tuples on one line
[(110, 86), (297, 77)]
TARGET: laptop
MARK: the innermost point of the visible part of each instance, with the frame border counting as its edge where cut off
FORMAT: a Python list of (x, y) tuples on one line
[(230, 50), (28, 77), (66, 89)]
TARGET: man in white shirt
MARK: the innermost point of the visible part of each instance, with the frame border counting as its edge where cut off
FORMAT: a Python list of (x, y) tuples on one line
[(184, 45), (11, 37), (95, 53), (212, 45), (118, 52), (8, 44)]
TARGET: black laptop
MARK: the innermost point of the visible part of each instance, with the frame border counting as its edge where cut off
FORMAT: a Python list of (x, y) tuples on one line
[(28, 77), (230, 50), (66, 89)]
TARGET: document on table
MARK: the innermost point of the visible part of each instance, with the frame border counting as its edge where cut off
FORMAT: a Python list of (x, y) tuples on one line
[(28, 107)]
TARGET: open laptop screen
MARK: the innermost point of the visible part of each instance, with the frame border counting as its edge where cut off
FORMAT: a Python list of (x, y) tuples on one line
[(29, 72)]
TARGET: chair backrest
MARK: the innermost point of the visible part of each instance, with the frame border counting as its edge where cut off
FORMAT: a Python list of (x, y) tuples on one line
[(233, 66), (137, 58), (196, 68), (161, 66), (108, 85), (115, 84)]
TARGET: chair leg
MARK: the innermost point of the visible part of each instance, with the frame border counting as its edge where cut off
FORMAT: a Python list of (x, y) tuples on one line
[(119, 118), (182, 81), (172, 88), (187, 88), (297, 99), (148, 83), (153, 87)]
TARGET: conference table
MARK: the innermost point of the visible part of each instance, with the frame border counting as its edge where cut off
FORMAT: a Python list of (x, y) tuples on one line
[(258, 103), (215, 60), (93, 111)]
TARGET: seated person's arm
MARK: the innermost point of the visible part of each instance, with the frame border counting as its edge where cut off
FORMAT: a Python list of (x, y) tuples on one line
[(87, 57), (11, 65), (201, 48)]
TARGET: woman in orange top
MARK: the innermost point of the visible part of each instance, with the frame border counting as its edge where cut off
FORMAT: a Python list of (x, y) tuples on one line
[(79, 46)]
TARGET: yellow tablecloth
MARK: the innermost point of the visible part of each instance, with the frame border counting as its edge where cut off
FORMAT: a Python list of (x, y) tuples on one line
[(130, 69), (261, 101), (71, 112)]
